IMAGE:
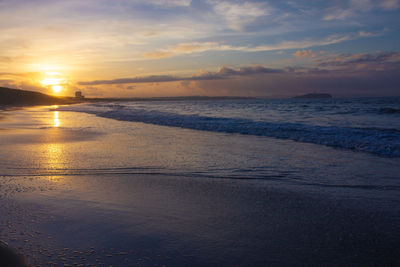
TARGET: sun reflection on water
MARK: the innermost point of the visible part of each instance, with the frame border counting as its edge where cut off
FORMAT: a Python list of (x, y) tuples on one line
[(56, 119), (54, 160), (54, 154), (54, 179)]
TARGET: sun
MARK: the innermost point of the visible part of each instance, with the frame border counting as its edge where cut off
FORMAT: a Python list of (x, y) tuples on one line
[(54, 81), (57, 88)]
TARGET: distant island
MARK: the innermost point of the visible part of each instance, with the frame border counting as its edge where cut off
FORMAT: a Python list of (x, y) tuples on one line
[(314, 95), (17, 97)]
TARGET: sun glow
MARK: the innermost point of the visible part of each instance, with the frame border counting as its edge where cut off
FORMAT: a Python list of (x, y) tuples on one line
[(57, 88), (52, 80)]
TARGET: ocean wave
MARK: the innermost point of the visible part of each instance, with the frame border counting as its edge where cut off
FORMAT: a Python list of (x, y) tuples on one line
[(383, 142)]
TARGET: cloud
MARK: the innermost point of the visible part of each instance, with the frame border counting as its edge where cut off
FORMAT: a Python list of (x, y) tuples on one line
[(223, 73), (361, 5), (145, 79), (355, 7), (188, 48), (304, 54), (323, 64), (390, 4), (364, 61), (6, 82), (238, 15), (339, 74), (26, 75), (226, 72), (338, 14), (198, 47), (170, 3), (367, 5), (366, 34), (157, 55), (194, 47), (5, 59), (333, 39)]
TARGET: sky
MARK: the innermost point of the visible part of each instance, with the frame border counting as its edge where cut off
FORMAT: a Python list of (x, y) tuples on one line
[(133, 48)]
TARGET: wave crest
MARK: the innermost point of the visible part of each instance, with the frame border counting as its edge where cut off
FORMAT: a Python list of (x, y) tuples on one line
[(383, 142)]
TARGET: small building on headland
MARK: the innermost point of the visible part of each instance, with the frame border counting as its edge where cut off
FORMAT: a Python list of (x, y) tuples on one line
[(78, 94)]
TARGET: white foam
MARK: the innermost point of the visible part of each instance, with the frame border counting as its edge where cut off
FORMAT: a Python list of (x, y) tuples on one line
[(384, 142)]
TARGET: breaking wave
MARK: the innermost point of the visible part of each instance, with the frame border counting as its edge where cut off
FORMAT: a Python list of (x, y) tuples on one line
[(380, 141)]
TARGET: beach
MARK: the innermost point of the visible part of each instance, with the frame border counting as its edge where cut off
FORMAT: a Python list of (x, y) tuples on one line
[(79, 189)]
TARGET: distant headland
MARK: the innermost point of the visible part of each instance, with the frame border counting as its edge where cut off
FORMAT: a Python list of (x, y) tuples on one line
[(314, 95), (17, 97)]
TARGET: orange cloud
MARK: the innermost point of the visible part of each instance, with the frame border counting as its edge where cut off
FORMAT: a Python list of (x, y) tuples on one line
[(191, 47), (158, 54), (304, 54)]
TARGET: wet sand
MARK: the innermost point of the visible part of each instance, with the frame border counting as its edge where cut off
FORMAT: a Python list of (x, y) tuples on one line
[(67, 201), (159, 223)]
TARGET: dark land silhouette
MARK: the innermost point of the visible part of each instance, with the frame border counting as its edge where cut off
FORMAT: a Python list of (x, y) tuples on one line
[(17, 97)]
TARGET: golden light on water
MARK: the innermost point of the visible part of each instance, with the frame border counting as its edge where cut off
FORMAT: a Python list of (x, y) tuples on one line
[(54, 149), (56, 119), (54, 160)]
